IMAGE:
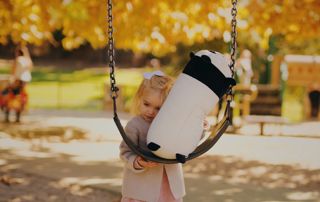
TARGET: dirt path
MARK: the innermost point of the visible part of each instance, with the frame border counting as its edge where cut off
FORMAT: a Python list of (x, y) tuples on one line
[(18, 186), (84, 150)]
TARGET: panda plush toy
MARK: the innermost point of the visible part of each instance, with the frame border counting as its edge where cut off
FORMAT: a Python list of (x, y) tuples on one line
[(177, 129)]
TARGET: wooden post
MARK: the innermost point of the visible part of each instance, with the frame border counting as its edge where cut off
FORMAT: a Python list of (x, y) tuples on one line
[(275, 71)]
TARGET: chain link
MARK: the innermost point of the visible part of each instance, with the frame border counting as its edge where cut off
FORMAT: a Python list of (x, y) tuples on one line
[(113, 86)]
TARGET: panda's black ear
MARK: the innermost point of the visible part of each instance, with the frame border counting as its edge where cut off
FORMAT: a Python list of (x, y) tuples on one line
[(192, 54), (231, 81), (206, 58)]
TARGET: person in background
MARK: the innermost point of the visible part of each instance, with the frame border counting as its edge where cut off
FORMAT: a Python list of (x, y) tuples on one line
[(314, 98), (244, 68), (14, 97)]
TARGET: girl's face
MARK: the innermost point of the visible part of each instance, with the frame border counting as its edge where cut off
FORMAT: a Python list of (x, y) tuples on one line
[(150, 105)]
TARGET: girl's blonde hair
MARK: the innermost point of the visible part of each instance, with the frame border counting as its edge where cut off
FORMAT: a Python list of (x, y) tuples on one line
[(156, 83)]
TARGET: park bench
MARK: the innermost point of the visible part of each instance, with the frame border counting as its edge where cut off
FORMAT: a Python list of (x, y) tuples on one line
[(262, 120)]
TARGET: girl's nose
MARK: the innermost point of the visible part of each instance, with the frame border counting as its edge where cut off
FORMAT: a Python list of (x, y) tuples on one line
[(152, 112)]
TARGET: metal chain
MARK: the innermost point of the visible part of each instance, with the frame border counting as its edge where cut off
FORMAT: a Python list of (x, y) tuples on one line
[(113, 86), (233, 35), (233, 44), (230, 96)]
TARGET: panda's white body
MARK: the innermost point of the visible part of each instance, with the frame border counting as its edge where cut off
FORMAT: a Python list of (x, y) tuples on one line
[(178, 127)]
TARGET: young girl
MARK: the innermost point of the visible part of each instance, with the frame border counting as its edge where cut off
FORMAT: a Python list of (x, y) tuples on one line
[(145, 180)]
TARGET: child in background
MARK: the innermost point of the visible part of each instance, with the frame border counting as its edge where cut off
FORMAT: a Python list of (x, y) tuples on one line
[(244, 67), (145, 180), (14, 97)]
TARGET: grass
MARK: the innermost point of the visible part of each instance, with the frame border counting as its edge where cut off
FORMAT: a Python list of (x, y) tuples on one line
[(77, 89), (83, 94), (84, 89), (293, 101)]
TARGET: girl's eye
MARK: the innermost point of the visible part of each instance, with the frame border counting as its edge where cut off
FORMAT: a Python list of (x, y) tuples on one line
[(158, 108), (146, 104)]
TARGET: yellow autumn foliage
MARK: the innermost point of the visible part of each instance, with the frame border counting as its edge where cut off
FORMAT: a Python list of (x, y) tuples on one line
[(154, 26)]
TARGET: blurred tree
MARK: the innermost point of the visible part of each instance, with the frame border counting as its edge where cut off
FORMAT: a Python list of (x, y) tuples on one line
[(146, 26), (295, 20), (24, 22)]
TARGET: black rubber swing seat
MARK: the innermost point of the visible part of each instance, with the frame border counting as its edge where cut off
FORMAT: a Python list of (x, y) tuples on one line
[(213, 138)]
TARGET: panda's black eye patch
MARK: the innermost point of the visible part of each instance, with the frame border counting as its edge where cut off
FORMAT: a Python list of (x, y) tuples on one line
[(206, 58)]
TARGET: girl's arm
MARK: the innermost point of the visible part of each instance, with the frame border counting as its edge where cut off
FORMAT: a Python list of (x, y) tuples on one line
[(125, 152), (26, 55)]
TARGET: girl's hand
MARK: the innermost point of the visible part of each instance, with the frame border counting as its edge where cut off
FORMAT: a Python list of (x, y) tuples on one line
[(145, 164), (205, 125)]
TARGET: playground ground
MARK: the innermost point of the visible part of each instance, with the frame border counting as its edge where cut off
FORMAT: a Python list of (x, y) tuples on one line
[(73, 156)]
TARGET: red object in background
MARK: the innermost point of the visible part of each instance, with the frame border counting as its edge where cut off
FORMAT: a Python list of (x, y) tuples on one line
[(14, 97)]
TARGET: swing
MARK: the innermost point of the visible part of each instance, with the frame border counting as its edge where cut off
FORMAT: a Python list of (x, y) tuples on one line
[(215, 134)]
